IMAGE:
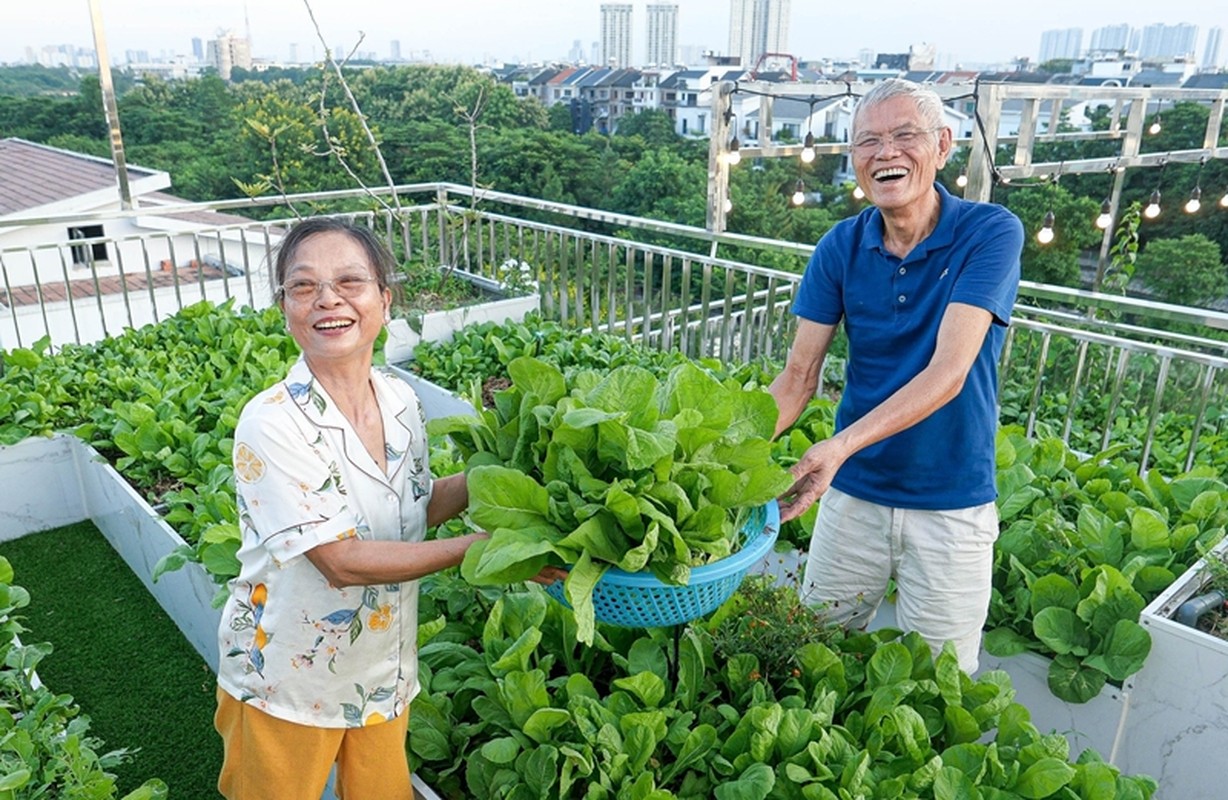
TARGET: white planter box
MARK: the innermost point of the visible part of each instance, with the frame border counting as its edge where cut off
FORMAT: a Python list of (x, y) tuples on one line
[(61, 480), (436, 400), (1178, 724), (441, 326)]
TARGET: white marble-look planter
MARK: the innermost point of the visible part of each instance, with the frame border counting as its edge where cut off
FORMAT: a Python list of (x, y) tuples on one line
[(61, 480), (440, 326), (436, 400), (1178, 727)]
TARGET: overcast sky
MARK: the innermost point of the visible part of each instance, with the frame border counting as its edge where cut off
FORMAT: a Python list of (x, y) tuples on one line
[(962, 31)]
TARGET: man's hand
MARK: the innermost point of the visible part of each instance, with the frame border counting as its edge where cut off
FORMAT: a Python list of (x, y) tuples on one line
[(549, 575), (812, 475)]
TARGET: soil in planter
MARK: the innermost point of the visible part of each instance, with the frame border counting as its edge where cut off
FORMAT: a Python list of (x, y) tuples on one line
[(121, 658)]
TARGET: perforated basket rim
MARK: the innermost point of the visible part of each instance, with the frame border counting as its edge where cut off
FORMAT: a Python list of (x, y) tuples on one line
[(753, 550)]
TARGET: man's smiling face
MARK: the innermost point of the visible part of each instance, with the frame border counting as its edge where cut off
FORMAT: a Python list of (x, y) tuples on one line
[(897, 152)]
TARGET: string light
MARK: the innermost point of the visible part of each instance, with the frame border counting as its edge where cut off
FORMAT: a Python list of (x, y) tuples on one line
[(808, 148), (1152, 209), (1106, 215), (1153, 205), (1045, 234), (1156, 125), (1195, 202), (735, 152)]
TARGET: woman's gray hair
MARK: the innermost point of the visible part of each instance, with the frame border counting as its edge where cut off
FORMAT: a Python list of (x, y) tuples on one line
[(929, 104), (383, 264)]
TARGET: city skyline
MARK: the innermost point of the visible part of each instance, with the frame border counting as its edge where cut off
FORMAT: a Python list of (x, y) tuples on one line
[(521, 31)]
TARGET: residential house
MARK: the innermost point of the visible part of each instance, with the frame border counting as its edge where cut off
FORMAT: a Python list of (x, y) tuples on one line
[(51, 251)]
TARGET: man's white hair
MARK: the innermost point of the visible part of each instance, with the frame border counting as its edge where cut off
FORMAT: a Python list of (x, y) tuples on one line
[(929, 104)]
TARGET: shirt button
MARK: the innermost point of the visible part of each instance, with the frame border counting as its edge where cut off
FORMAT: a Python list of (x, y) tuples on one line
[(391, 497), (901, 298), (903, 271)]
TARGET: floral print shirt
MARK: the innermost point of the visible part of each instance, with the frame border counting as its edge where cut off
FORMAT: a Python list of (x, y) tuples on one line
[(291, 644)]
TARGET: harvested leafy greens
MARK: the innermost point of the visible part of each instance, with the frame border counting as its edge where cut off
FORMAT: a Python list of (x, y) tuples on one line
[(618, 469)]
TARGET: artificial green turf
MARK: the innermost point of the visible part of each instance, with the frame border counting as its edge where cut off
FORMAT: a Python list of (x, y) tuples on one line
[(121, 658)]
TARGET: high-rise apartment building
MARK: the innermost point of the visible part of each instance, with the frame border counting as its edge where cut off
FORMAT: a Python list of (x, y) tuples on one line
[(1210, 49), (757, 27), (662, 35), (1061, 43), (198, 49), (616, 34), (1161, 41), (228, 51), (1111, 39)]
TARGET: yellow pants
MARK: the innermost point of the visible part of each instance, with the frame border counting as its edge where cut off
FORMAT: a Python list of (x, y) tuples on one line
[(266, 758)]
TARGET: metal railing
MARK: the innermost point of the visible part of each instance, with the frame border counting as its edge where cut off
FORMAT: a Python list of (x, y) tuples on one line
[(1079, 365)]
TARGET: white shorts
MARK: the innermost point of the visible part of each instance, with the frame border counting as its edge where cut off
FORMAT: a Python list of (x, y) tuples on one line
[(942, 562)]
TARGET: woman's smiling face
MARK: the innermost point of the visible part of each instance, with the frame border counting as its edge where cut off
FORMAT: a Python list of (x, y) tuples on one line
[(328, 323), (897, 152)]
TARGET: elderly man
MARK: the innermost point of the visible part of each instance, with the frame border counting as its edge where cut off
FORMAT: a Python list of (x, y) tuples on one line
[(924, 283)]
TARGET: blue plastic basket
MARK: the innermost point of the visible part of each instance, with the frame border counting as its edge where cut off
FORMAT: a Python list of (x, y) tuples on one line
[(640, 600)]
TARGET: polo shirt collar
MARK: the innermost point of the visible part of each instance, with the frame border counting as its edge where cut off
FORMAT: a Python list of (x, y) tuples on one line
[(943, 234), (313, 401)]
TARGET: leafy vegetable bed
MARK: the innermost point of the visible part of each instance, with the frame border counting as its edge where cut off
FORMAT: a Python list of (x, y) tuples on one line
[(512, 708)]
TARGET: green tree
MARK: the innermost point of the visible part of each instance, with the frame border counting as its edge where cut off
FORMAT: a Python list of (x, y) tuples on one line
[(1187, 271), (652, 125), (663, 185)]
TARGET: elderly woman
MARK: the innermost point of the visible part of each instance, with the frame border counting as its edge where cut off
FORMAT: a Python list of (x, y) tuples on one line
[(318, 637)]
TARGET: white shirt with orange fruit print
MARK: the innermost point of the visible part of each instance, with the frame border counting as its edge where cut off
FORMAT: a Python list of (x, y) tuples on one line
[(291, 644)]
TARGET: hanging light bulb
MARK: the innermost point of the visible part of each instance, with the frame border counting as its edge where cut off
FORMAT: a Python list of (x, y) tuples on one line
[(1223, 201), (728, 205), (1155, 126), (962, 180), (1045, 234), (1153, 206), (1195, 202), (735, 152), (808, 148), (858, 194), (799, 194), (1106, 215)]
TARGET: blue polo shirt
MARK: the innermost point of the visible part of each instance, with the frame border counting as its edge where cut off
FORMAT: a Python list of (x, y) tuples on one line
[(891, 310)]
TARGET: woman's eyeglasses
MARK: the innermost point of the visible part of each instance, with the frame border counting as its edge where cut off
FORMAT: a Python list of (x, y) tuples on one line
[(303, 290)]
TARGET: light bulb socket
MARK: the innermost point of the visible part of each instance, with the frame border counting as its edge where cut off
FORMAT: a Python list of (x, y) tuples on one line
[(1049, 219), (809, 140)]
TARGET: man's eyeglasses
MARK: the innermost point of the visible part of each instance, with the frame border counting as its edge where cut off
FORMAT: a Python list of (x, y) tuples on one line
[(303, 290), (903, 139)]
